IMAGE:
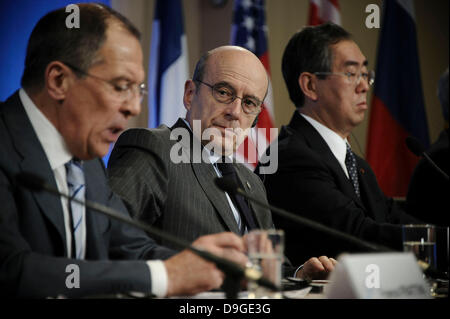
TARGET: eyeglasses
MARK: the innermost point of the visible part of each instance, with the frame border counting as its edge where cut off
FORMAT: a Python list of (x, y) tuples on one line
[(354, 78), (223, 93), (122, 91)]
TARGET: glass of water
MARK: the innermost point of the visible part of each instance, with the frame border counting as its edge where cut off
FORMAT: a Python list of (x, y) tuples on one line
[(421, 241), (265, 253)]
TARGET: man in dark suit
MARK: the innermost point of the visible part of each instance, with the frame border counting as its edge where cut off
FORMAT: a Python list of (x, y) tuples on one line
[(222, 100), (428, 190), (80, 86), (318, 175)]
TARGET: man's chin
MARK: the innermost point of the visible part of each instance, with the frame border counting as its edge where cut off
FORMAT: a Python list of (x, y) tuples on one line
[(98, 151)]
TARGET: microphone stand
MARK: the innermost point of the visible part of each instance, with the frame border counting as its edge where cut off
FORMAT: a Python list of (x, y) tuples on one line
[(234, 271), (230, 186)]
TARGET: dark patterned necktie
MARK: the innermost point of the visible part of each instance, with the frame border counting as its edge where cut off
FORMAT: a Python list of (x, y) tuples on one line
[(350, 163), (227, 169), (75, 181)]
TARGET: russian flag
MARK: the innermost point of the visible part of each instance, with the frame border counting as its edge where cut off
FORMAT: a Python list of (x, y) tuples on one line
[(397, 106), (168, 68)]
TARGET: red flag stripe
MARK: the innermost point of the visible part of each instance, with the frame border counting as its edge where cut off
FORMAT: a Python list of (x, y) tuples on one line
[(387, 149)]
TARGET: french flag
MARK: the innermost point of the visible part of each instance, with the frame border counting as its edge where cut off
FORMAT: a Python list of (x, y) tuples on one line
[(168, 68), (398, 105)]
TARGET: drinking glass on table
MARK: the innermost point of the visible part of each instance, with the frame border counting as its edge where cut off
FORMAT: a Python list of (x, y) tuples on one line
[(265, 253), (421, 241)]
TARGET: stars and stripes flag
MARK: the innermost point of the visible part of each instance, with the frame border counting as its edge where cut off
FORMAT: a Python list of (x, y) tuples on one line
[(168, 68), (397, 104), (321, 11), (249, 30)]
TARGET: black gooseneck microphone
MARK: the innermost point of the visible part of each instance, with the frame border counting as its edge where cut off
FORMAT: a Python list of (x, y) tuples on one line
[(230, 186), (37, 184), (417, 149)]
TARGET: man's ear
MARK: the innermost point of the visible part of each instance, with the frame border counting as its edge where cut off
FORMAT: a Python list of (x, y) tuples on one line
[(189, 92), (307, 83), (57, 78)]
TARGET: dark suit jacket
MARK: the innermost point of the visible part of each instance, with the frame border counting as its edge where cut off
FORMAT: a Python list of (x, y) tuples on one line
[(428, 191), (310, 182), (32, 236), (180, 198)]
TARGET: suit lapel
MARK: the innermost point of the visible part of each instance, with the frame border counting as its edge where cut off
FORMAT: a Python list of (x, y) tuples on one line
[(34, 160), (366, 194), (96, 223), (249, 189), (318, 144), (205, 174)]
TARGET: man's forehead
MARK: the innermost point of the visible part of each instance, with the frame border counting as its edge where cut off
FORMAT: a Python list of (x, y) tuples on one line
[(236, 68), (121, 50), (347, 53)]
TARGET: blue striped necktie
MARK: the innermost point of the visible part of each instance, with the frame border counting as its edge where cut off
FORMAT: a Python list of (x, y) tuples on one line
[(75, 181)]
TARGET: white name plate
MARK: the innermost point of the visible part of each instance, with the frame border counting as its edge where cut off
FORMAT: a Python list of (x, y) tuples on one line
[(377, 276)]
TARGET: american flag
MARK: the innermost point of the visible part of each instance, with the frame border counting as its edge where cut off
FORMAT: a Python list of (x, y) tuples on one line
[(321, 11), (249, 30)]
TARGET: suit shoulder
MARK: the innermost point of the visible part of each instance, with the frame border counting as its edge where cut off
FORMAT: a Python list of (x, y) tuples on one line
[(145, 138)]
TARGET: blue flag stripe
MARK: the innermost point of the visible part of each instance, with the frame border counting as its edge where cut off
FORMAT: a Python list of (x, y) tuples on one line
[(398, 82)]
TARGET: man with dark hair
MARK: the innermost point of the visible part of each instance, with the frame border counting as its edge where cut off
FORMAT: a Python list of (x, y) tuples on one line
[(80, 86), (178, 193), (318, 175)]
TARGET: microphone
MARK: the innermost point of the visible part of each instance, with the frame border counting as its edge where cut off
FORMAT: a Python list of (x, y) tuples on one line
[(36, 183), (230, 186), (417, 149)]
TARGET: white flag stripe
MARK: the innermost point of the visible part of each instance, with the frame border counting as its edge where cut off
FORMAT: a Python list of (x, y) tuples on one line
[(172, 88), (327, 11)]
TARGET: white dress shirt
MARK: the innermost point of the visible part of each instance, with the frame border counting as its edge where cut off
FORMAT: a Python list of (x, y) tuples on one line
[(336, 143), (58, 155)]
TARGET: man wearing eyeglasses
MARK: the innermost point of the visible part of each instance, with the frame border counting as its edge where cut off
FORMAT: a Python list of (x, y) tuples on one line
[(222, 101), (80, 86), (319, 177)]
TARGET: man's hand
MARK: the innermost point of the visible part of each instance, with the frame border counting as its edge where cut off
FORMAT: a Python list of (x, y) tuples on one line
[(189, 274), (317, 268)]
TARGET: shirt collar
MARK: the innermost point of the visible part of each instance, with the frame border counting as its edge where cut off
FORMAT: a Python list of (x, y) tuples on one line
[(51, 140), (336, 143)]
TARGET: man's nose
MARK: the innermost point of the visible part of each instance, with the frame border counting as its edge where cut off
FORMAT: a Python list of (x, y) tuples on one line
[(132, 107), (235, 107), (363, 85)]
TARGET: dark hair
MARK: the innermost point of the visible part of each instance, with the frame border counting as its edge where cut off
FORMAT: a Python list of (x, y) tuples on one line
[(51, 40), (309, 51)]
